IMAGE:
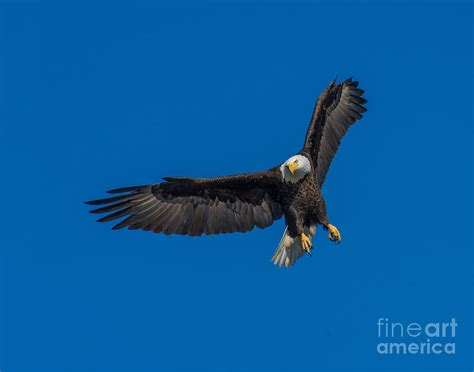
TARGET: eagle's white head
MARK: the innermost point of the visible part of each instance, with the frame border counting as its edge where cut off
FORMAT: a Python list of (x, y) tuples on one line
[(295, 168)]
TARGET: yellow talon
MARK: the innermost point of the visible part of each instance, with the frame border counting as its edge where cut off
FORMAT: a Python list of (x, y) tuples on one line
[(306, 243), (334, 234)]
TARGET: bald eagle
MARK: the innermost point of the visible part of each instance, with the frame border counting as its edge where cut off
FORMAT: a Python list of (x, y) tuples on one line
[(238, 203)]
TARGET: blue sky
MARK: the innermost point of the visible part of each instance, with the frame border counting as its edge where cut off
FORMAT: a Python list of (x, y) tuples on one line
[(97, 95)]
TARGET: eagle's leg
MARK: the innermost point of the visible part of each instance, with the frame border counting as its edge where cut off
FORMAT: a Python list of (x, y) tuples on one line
[(306, 243), (334, 234)]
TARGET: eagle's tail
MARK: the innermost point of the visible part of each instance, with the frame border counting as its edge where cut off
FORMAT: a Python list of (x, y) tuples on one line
[(289, 249)]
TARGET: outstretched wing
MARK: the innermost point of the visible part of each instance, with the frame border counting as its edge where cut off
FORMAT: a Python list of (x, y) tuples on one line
[(195, 206), (337, 108)]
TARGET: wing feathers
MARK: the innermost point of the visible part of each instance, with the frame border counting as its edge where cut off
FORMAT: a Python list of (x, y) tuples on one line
[(337, 108), (194, 206), (115, 215), (109, 200)]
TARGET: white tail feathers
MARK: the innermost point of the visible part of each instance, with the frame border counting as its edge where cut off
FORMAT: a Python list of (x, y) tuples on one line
[(289, 249)]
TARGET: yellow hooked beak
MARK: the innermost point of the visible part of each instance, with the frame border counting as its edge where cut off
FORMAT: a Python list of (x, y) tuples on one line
[(292, 167)]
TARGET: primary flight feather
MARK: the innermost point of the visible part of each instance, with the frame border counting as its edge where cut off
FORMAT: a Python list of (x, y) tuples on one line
[(238, 203)]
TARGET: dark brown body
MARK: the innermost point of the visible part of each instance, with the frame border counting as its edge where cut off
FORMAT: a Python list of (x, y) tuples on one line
[(303, 205)]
